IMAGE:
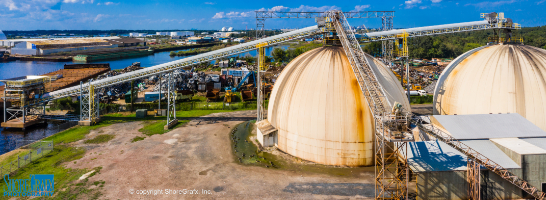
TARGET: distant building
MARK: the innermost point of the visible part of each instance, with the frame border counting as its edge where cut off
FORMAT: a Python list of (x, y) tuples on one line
[(46, 47), (200, 40), (126, 42), (182, 33), (204, 33), (224, 34), (230, 29), (138, 34), (162, 33), (240, 40)]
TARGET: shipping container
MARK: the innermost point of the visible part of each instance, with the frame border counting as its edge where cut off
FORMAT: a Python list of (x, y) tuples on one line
[(152, 96)]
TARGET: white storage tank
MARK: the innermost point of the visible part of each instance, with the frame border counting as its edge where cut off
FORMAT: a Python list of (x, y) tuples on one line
[(495, 79)]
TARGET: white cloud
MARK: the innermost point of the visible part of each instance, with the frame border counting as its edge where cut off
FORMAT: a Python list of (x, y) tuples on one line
[(302, 8), (218, 15), (279, 8), (233, 14), (488, 4), (100, 17), (540, 2), (411, 3), (361, 7), (109, 3), (210, 3), (436, 1), (197, 20), (423, 7), (74, 1)]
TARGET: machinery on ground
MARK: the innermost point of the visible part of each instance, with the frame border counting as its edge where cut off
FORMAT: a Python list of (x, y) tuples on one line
[(230, 90)]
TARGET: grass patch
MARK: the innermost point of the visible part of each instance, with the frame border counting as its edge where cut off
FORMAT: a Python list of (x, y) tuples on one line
[(137, 138), (52, 163), (100, 139), (157, 127)]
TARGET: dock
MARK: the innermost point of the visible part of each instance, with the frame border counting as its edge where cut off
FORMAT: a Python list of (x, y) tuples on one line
[(17, 123), (73, 74)]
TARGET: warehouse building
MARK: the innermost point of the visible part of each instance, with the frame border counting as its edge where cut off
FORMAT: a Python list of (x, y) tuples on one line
[(509, 140), (46, 47), (126, 42), (199, 40)]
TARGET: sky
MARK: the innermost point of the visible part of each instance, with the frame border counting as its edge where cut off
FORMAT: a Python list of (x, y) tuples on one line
[(213, 15)]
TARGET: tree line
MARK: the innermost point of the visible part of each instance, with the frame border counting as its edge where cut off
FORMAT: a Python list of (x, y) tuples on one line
[(453, 45)]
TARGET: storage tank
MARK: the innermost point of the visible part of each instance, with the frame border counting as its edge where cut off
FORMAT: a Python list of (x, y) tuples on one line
[(223, 29), (230, 29), (495, 79), (320, 112)]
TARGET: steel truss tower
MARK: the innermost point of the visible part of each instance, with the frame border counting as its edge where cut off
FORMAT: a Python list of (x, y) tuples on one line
[(387, 46), (171, 101), (21, 94), (89, 104)]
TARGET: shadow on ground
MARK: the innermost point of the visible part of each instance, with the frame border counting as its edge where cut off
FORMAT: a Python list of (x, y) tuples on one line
[(340, 189)]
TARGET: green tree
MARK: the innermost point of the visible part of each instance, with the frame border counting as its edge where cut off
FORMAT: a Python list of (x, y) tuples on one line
[(249, 59), (470, 46), (268, 59), (279, 55)]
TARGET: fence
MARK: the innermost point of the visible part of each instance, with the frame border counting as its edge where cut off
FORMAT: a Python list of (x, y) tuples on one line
[(36, 151)]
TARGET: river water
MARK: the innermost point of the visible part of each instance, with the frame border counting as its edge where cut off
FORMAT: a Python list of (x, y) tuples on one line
[(24, 68)]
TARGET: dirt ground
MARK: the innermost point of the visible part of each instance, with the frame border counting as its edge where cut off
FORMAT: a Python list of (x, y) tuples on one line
[(422, 109), (196, 161)]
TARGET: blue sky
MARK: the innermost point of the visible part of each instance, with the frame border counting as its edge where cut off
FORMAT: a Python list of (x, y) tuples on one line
[(210, 14)]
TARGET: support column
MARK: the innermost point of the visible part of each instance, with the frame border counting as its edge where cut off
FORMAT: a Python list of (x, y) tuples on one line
[(89, 103), (474, 179), (260, 28), (159, 102), (387, 46), (171, 102), (5, 113), (261, 66)]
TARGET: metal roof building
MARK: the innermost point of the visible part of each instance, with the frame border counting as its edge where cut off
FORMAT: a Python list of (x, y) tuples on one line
[(509, 140)]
